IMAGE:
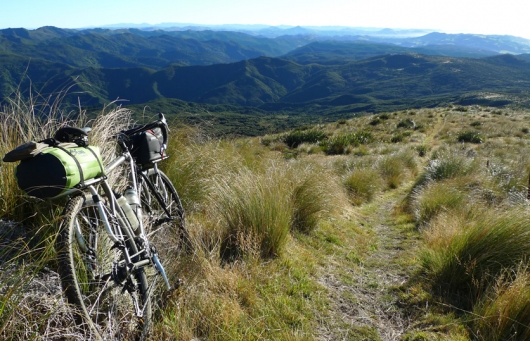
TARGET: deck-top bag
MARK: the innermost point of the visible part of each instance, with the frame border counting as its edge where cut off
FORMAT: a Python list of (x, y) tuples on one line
[(56, 169)]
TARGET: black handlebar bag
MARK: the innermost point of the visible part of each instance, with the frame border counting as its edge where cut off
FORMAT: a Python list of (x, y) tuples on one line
[(149, 146)]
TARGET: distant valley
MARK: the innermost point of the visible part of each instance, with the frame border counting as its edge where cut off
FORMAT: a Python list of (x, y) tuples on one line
[(329, 74)]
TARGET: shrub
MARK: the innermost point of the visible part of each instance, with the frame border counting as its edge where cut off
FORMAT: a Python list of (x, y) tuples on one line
[(406, 123), (297, 137), (338, 144), (397, 138), (375, 121), (422, 150), (470, 136)]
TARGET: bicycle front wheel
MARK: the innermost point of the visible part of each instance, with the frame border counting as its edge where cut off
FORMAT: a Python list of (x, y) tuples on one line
[(166, 222), (112, 302)]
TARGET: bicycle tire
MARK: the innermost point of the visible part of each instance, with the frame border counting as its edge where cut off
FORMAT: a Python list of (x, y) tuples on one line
[(169, 237), (157, 223), (105, 309)]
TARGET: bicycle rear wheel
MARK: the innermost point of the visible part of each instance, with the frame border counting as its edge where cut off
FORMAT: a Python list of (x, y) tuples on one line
[(109, 299)]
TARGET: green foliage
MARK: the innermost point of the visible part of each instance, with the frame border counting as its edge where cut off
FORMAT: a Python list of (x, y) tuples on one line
[(395, 168), (338, 144), (470, 136), (436, 198), (315, 194), (397, 138), (296, 137), (406, 123), (448, 166), (422, 150), (375, 121)]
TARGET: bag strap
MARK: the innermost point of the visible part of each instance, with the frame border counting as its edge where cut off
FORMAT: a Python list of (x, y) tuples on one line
[(99, 162), (81, 177)]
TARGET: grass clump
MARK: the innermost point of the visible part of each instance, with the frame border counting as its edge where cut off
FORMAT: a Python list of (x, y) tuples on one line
[(477, 253), (407, 124), (396, 167), (504, 311), (436, 198), (315, 194), (256, 213), (362, 185)]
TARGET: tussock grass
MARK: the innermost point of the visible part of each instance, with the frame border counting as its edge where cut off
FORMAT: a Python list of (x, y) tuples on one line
[(264, 218), (362, 185), (504, 313), (477, 253), (439, 197), (316, 194), (397, 167), (256, 213)]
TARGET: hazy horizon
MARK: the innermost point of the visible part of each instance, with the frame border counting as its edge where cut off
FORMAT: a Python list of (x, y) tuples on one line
[(449, 16)]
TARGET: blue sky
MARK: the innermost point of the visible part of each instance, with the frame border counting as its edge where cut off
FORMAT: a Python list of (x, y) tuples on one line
[(452, 16)]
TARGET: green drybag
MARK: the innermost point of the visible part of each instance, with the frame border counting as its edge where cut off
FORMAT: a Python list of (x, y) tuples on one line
[(55, 170)]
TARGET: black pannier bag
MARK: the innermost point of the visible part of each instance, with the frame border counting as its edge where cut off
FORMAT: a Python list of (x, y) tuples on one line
[(149, 146)]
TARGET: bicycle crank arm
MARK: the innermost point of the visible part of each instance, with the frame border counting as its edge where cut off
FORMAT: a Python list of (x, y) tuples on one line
[(160, 269)]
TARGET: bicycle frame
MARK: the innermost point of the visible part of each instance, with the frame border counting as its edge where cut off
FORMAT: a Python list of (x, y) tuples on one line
[(121, 234)]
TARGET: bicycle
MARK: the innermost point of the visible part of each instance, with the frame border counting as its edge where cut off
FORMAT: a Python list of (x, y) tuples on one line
[(110, 260)]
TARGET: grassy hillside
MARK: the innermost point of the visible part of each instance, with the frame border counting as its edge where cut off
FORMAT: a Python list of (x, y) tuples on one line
[(406, 225)]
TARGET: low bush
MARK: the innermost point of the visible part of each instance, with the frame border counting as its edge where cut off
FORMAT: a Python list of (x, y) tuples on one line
[(296, 137), (470, 137), (406, 123), (339, 144)]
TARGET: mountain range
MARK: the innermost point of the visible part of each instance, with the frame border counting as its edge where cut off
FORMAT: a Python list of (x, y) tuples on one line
[(355, 73)]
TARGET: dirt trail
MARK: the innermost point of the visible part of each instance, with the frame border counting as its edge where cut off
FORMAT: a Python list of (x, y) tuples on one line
[(364, 306)]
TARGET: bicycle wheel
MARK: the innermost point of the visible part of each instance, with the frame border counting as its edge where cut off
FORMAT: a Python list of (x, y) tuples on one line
[(113, 304), (166, 222)]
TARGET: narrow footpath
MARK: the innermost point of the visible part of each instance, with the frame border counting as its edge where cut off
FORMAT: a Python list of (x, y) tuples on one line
[(364, 304)]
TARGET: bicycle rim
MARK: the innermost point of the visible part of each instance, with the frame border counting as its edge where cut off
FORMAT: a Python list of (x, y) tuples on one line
[(86, 261), (167, 234)]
